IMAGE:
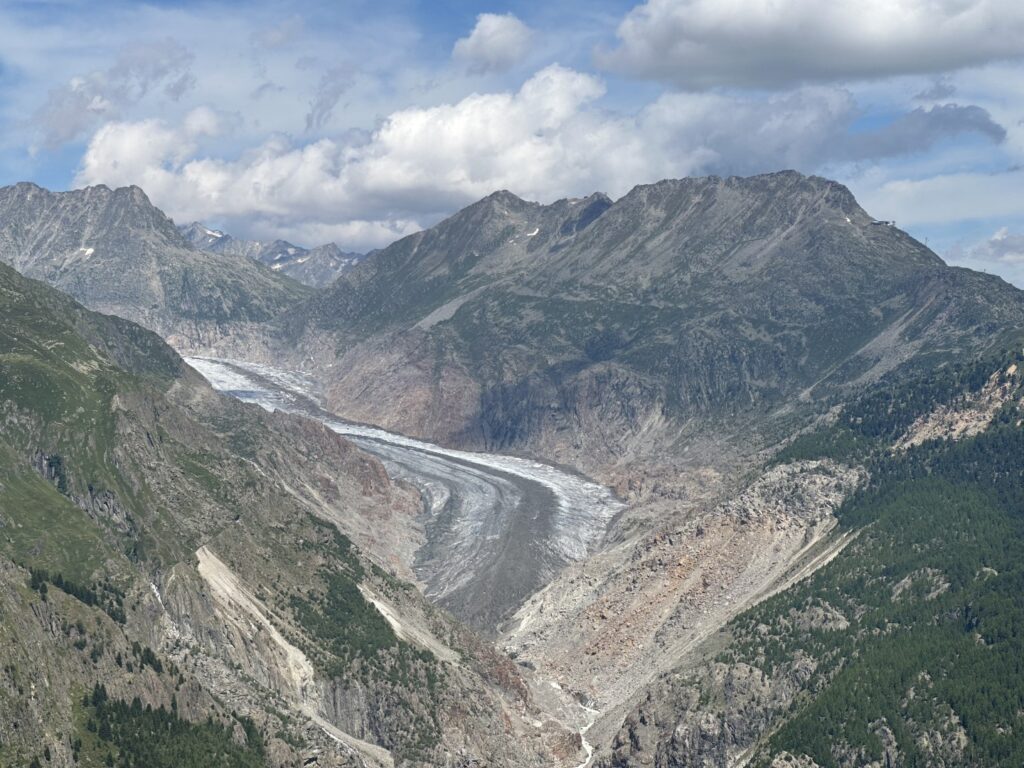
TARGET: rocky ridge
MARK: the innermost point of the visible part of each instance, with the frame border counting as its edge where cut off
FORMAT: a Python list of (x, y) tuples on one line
[(610, 334), (115, 252), (316, 267)]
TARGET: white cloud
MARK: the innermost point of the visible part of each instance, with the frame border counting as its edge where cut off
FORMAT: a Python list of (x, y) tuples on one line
[(549, 139), (418, 164), (1004, 246), (496, 43), (945, 198), (203, 121), (148, 152), (77, 106), (699, 44)]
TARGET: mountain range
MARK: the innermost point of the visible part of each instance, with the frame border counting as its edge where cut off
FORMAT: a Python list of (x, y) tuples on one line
[(807, 554), (117, 253), (592, 332), (315, 267)]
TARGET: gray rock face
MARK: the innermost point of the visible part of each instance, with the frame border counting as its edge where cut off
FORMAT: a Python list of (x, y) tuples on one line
[(117, 253), (316, 267), (588, 330), (200, 236)]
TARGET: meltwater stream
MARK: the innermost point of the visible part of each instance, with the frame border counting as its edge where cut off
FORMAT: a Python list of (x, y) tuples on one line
[(497, 527)]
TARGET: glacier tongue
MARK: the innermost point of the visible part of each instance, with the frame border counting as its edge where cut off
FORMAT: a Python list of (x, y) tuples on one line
[(498, 527)]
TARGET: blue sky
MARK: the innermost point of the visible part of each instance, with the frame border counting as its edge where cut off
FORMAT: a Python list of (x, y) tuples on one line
[(359, 122)]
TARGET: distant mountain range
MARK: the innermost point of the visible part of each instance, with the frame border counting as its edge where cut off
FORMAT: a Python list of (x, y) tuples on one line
[(114, 251), (315, 267)]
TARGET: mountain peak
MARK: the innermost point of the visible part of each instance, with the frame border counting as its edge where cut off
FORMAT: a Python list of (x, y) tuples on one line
[(501, 201), (504, 196), (200, 236), (315, 267), (763, 202), (135, 193), (115, 251), (27, 186)]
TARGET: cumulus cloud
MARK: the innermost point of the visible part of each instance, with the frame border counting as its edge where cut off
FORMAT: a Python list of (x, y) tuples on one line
[(699, 44), (419, 163), (145, 152), (549, 139), (77, 106), (1002, 247), (497, 42)]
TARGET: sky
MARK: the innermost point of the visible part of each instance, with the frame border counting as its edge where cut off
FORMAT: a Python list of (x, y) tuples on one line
[(360, 122)]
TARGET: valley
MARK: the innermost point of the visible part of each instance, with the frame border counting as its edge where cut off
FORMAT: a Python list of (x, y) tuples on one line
[(496, 528), (526, 554), (578, 485), (512, 385)]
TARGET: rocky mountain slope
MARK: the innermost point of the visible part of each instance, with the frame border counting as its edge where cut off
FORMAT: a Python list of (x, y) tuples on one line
[(599, 333), (666, 343), (117, 253), (315, 267), (904, 649), (174, 562), (812, 425)]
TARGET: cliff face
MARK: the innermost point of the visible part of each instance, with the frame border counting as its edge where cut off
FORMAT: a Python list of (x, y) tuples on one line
[(116, 253), (214, 560), (593, 332)]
